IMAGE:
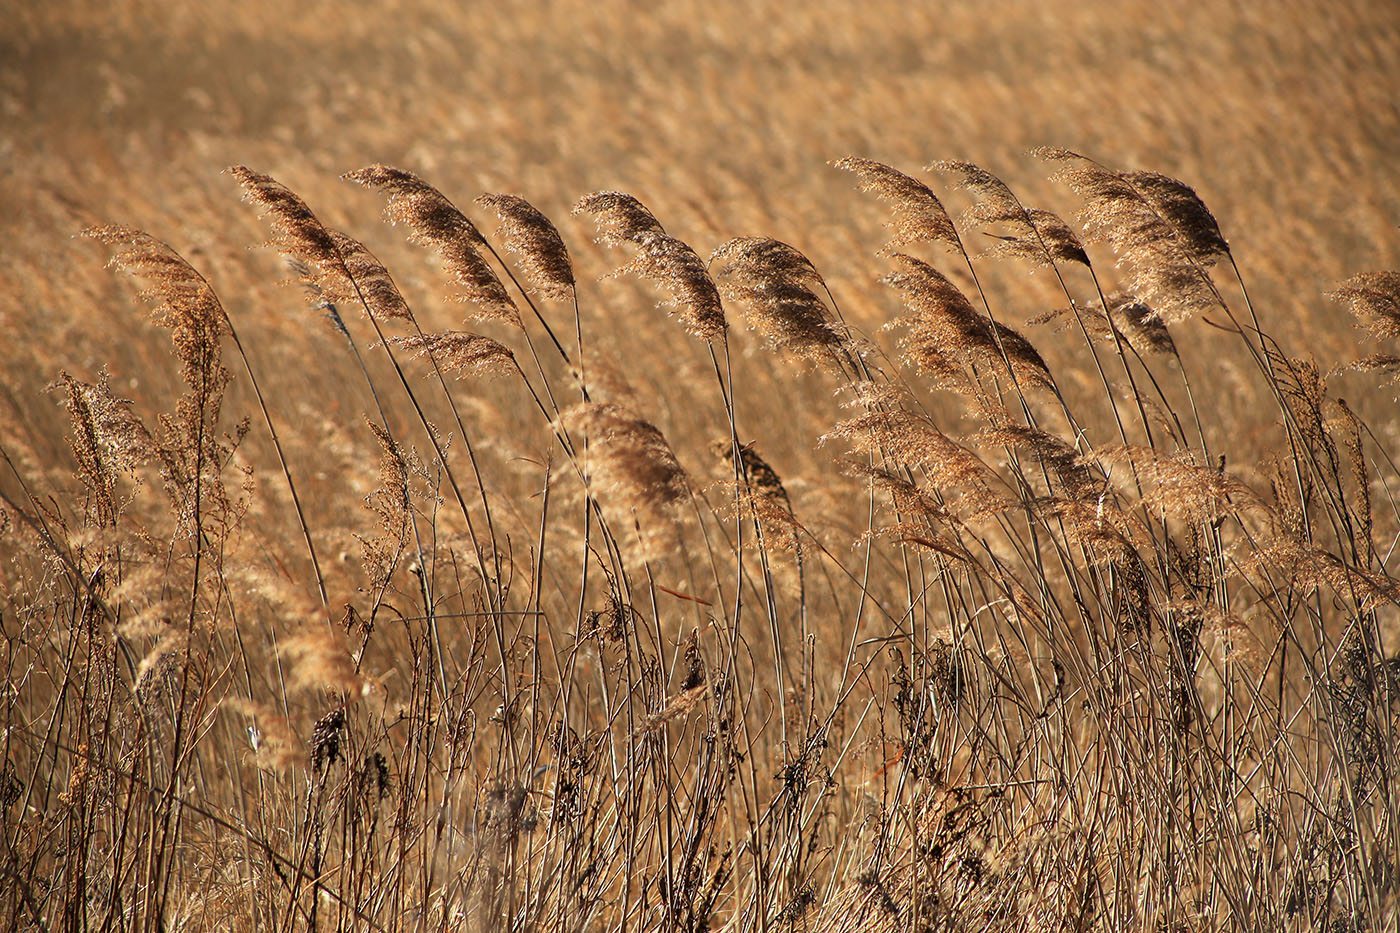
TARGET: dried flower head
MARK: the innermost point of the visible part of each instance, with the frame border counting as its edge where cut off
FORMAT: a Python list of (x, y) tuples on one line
[(632, 467), (1131, 320), (366, 282), (299, 232), (187, 441), (530, 235), (326, 738), (1076, 474), (108, 440), (1180, 206), (621, 218), (913, 441), (181, 298), (1181, 487), (1165, 254), (764, 497), (461, 353), (1037, 235), (1373, 298), (434, 221), (777, 284), (390, 503), (945, 329), (919, 217), (334, 266), (660, 258), (760, 476)]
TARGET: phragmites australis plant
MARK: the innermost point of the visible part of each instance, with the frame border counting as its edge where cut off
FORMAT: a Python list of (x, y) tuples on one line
[(996, 623)]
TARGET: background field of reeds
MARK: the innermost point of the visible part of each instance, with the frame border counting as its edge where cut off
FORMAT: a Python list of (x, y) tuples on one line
[(617, 467)]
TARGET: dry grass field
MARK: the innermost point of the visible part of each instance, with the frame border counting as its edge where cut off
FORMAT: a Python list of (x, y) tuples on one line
[(583, 466)]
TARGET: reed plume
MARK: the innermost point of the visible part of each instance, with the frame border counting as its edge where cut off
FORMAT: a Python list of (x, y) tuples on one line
[(366, 279), (924, 520), (1373, 298), (659, 258), (435, 222), (1200, 495), (335, 267), (765, 497), (1039, 235), (631, 467), (187, 442), (919, 217), (181, 299), (1133, 321), (777, 284), (1069, 466), (945, 329), (461, 353), (531, 235), (908, 440), (109, 438), (1179, 205), (1165, 255), (391, 504)]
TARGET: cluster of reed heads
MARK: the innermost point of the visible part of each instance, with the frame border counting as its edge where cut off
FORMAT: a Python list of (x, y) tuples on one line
[(1027, 655)]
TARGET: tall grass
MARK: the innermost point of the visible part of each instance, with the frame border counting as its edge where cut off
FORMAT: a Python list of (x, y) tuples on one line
[(1034, 648)]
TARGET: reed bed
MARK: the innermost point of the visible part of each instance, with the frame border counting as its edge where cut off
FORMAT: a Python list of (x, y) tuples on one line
[(1033, 641)]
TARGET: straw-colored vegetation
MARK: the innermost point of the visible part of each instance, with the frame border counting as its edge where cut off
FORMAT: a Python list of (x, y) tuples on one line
[(697, 553)]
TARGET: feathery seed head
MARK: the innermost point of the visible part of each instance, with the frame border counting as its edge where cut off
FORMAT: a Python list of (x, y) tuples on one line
[(1373, 298), (774, 282), (919, 217), (1038, 235), (434, 221), (461, 353), (660, 258), (944, 329), (366, 278), (1130, 319), (1160, 232), (300, 232), (530, 234), (620, 216), (1180, 206), (633, 468)]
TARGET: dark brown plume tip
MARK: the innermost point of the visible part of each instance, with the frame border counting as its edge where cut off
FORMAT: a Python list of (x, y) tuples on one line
[(919, 217), (763, 479), (529, 234), (1143, 327), (434, 221), (1373, 298)]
